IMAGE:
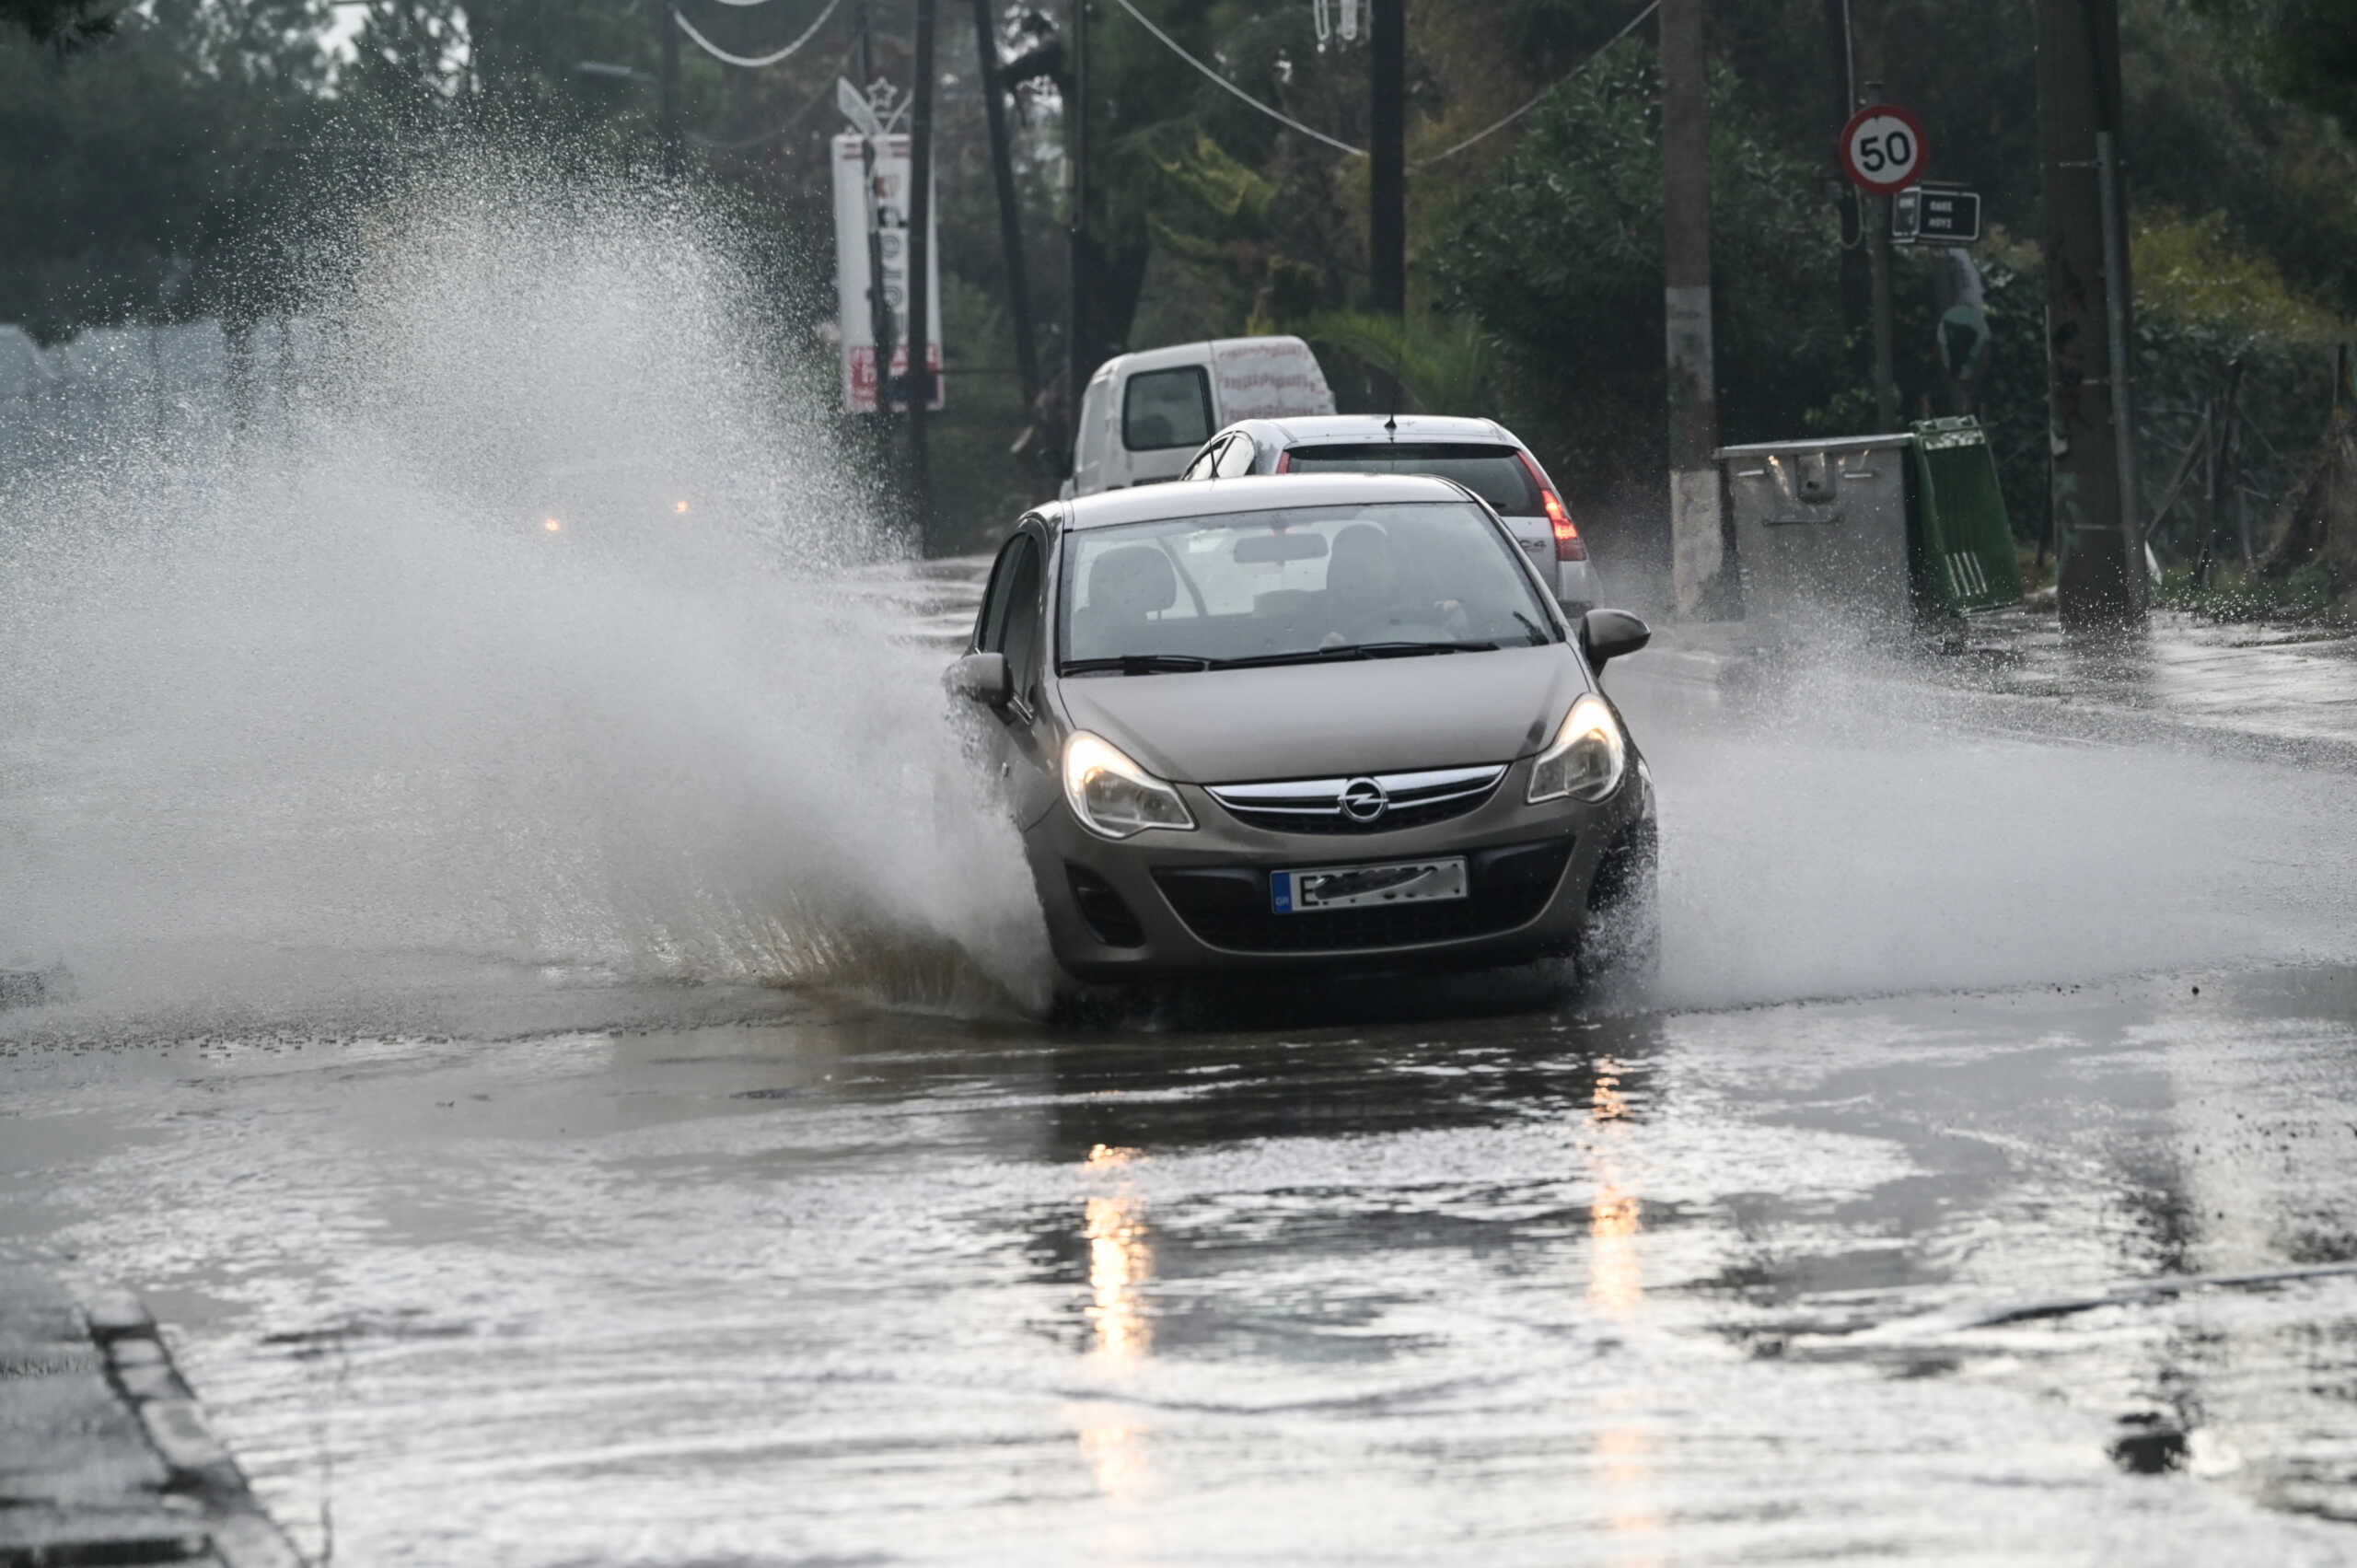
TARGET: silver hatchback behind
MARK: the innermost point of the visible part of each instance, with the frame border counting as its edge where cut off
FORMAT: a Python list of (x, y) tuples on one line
[(1480, 454), (1319, 721)]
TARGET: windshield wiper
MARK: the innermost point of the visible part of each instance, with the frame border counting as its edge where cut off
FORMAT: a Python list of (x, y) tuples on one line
[(1360, 651), (1538, 634), (1138, 663)]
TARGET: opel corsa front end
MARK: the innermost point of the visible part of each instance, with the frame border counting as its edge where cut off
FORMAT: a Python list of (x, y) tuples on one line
[(1329, 721)]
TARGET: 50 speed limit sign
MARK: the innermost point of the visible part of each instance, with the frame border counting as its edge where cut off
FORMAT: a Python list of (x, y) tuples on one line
[(1882, 149)]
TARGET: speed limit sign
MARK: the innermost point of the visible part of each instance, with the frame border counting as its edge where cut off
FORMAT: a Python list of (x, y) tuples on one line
[(1882, 149)]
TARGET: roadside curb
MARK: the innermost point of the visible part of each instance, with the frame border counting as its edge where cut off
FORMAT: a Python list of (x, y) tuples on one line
[(169, 1491), (2002, 685)]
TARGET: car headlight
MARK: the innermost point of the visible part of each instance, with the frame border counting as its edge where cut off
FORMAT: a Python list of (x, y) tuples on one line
[(1113, 795), (1587, 758)]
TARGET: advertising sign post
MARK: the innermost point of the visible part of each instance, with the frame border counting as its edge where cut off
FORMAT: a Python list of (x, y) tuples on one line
[(881, 200)]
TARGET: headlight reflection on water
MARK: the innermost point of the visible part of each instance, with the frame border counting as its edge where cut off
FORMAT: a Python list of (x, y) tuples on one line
[(1120, 1263), (1615, 1289)]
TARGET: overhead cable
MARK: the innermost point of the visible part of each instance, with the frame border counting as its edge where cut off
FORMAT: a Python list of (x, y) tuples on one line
[(1651, 7), (1283, 118), (792, 123), (1276, 114), (753, 62)]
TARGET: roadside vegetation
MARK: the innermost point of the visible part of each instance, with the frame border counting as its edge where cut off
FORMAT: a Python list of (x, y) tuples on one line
[(146, 172)]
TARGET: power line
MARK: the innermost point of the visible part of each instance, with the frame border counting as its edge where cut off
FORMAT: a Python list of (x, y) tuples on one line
[(792, 123), (1283, 118), (753, 62), (1279, 115), (1651, 7)]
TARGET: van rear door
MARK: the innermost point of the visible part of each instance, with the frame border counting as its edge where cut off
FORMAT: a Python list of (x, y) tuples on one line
[(1166, 417)]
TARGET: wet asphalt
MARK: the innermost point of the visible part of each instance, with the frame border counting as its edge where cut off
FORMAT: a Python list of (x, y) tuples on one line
[(827, 1284), (1964, 1240)]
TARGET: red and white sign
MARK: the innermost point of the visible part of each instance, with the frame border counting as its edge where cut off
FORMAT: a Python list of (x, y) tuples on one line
[(874, 200), (1882, 149)]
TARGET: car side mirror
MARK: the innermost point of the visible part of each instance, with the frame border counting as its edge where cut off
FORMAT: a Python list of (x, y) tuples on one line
[(984, 679), (1605, 634)]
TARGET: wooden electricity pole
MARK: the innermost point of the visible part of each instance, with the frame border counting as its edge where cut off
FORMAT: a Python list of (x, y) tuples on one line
[(2101, 577), (1010, 218), (1387, 159), (1876, 211), (1695, 552), (1080, 359), (921, 324)]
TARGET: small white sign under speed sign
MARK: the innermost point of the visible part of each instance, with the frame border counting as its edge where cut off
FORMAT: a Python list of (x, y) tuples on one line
[(1884, 149)]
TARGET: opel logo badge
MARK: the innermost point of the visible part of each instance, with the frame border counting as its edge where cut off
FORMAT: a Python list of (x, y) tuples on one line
[(1363, 800)]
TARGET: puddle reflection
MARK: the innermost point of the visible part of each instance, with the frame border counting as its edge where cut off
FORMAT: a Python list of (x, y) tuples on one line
[(1121, 1264), (1616, 1285), (1120, 1261), (1615, 1288)]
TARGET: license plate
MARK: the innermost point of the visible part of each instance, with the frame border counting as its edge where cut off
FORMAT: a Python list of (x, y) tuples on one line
[(1359, 887)]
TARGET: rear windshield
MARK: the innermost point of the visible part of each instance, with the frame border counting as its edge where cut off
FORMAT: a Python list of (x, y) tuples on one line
[(1163, 408), (1297, 581), (1495, 473)]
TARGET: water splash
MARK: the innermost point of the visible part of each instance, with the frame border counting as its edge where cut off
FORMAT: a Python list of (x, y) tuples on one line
[(515, 625)]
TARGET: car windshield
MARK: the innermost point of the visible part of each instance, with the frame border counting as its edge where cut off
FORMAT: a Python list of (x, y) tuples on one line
[(1297, 583), (1497, 474)]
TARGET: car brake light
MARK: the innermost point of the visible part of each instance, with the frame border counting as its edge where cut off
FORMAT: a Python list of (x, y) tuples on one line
[(1284, 463), (1569, 546)]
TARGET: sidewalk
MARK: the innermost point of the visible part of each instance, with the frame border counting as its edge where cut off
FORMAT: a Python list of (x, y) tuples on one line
[(2272, 689), (105, 1456)]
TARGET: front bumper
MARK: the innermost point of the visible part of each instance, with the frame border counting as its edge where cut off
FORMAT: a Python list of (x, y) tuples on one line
[(1178, 903)]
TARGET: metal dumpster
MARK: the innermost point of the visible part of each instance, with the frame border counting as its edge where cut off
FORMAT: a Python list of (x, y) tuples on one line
[(1965, 545), (1871, 532), (1820, 527)]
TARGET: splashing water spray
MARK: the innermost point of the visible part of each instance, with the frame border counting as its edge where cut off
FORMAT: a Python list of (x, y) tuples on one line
[(535, 620)]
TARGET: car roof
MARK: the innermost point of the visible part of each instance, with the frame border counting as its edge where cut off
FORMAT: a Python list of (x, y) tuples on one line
[(1200, 351), (1309, 429), (1218, 497)]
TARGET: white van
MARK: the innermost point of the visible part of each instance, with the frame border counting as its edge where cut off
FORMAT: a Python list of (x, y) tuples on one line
[(1144, 414)]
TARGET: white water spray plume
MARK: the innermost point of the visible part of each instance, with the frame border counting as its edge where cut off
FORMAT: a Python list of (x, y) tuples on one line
[(524, 623)]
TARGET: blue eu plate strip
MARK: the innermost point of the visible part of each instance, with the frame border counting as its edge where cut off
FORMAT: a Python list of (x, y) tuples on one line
[(1281, 891)]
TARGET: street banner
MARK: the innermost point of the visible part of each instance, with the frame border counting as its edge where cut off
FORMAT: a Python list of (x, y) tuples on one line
[(880, 200)]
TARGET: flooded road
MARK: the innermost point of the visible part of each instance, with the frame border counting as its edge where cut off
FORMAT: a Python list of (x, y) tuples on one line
[(826, 1284), (1976, 1190)]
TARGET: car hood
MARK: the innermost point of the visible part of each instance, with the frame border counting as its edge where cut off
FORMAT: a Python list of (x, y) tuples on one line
[(1333, 720)]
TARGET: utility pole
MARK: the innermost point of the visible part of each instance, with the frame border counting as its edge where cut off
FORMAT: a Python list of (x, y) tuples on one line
[(2100, 575), (920, 326), (880, 309), (1875, 210), (1080, 361), (666, 109), (1010, 219), (1855, 286), (1387, 159), (1695, 552)]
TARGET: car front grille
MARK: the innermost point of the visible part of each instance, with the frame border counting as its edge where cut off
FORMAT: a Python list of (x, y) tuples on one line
[(1340, 806), (1228, 906)]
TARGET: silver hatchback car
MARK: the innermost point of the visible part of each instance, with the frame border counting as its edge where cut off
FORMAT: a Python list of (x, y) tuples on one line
[(1321, 721), (1480, 454)]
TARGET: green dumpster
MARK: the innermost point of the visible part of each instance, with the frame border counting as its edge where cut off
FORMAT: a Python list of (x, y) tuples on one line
[(1967, 561)]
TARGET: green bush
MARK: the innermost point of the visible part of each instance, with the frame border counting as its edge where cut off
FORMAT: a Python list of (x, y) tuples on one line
[(1558, 252)]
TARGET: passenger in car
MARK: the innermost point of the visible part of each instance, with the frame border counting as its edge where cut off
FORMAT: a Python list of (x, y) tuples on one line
[(1362, 586)]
